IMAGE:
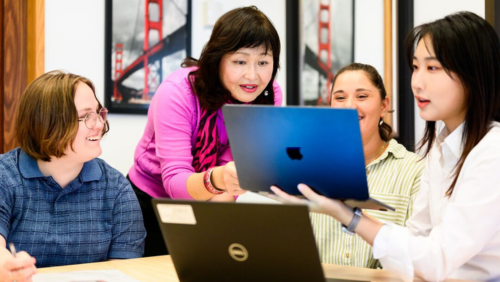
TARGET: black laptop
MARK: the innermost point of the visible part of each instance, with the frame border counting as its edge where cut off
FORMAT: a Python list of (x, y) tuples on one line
[(285, 146), (211, 241)]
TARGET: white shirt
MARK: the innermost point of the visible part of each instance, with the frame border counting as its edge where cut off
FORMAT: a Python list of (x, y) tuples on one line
[(450, 237)]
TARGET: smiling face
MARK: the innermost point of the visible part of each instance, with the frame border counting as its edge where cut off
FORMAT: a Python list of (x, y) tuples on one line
[(87, 141), (246, 72), (439, 96), (353, 89)]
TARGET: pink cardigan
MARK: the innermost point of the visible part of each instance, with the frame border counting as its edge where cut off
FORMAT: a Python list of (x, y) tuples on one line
[(163, 158)]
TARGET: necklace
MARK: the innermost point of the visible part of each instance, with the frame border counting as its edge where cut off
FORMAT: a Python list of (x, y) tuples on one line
[(378, 153)]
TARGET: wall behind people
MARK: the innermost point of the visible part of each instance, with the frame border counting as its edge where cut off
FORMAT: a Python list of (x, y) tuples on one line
[(431, 10), (75, 42)]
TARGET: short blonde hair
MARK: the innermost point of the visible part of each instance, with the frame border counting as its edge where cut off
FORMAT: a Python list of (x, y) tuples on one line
[(47, 119)]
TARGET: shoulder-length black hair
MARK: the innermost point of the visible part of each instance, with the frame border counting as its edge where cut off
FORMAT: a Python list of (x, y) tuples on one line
[(245, 27), (468, 46)]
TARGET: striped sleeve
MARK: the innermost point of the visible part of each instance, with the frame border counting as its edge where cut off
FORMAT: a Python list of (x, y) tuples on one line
[(393, 178)]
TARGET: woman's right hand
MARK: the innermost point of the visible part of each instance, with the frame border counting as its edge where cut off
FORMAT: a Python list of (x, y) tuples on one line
[(20, 268), (230, 179)]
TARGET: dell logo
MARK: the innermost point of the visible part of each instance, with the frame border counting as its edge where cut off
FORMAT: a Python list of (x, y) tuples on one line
[(294, 153), (238, 252)]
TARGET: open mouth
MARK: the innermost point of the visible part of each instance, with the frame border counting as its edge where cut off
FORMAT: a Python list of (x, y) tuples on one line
[(249, 87), (422, 103), (93, 138)]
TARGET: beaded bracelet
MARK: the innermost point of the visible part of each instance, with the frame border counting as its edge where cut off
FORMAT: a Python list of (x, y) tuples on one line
[(208, 182)]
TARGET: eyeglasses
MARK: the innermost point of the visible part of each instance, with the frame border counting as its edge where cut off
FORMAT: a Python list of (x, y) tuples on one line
[(91, 118)]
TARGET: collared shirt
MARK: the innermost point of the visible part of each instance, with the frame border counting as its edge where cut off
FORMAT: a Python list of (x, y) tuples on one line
[(457, 236), (393, 178), (96, 217)]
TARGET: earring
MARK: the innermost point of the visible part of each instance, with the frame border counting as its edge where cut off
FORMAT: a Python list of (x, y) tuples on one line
[(266, 93), (381, 122)]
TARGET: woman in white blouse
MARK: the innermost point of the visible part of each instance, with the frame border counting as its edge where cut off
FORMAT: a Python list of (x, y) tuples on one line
[(455, 228)]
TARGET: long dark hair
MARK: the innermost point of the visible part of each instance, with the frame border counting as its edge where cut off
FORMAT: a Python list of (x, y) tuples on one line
[(245, 27), (385, 130), (468, 46)]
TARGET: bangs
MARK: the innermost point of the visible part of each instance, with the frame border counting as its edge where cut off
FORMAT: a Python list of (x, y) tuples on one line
[(412, 40), (257, 40)]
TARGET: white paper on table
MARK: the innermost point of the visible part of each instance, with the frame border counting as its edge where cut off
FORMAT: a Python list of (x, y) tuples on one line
[(251, 197), (109, 275)]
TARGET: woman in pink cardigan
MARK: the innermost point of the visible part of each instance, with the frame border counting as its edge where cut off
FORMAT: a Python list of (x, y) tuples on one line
[(184, 152)]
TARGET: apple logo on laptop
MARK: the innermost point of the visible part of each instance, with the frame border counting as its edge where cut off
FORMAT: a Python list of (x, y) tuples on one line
[(294, 153)]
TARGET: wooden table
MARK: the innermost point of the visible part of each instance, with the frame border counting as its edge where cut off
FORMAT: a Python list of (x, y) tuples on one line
[(161, 268)]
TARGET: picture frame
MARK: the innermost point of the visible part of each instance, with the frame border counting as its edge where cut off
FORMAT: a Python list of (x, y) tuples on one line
[(492, 14), (321, 34), (138, 33)]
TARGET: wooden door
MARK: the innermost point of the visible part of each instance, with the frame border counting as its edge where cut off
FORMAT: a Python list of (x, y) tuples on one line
[(21, 58)]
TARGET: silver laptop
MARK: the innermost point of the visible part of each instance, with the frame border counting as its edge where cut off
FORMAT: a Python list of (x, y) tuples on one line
[(211, 241), (285, 146)]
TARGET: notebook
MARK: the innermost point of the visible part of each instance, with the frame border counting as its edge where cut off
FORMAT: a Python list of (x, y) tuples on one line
[(285, 146), (213, 241)]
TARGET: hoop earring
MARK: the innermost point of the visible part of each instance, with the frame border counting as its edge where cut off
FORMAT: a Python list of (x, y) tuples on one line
[(381, 122), (266, 93)]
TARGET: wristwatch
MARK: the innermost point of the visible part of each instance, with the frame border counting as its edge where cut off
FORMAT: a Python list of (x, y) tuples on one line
[(354, 222)]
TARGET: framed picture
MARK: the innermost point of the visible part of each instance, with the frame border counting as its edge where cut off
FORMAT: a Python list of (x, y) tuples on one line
[(492, 13), (325, 41), (145, 41)]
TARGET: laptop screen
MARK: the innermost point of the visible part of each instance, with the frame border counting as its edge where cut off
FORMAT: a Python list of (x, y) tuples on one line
[(285, 146)]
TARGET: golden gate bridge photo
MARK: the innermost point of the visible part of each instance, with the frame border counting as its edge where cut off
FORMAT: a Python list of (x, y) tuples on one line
[(147, 41), (327, 28)]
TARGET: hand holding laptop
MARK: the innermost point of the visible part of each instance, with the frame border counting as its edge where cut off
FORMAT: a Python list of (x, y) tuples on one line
[(340, 211), (316, 203)]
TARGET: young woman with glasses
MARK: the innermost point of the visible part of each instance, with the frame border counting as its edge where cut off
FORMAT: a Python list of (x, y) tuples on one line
[(59, 204)]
